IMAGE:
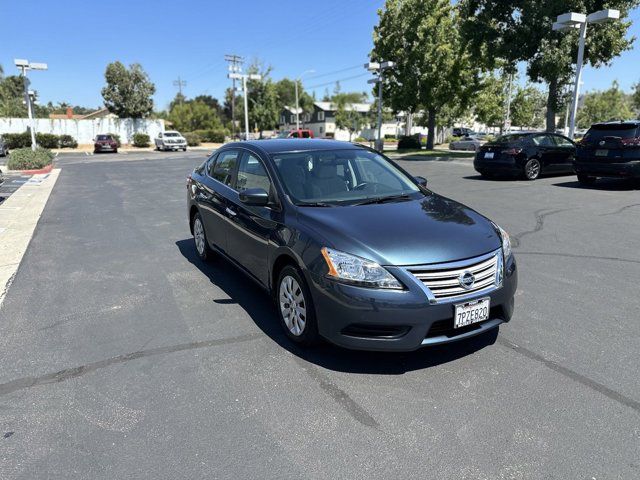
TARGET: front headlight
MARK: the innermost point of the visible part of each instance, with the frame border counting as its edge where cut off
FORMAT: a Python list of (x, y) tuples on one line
[(506, 241), (357, 270)]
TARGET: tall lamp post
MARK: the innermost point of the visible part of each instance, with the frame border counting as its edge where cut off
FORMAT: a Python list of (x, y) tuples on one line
[(299, 79), (580, 20), (378, 69), (24, 66), (244, 77)]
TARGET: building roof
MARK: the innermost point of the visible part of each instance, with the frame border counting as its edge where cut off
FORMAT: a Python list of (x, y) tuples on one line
[(330, 106), (293, 109)]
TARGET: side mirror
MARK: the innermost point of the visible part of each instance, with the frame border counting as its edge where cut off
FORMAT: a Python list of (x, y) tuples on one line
[(254, 196), (421, 181)]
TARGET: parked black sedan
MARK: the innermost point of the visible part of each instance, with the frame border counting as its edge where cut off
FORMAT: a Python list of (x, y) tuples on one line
[(610, 149), (351, 247), (526, 154)]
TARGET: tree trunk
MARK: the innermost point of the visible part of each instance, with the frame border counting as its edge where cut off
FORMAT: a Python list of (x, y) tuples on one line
[(409, 124), (431, 128), (551, 105)]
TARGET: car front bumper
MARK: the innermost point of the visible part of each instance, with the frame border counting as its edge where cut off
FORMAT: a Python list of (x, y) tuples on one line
[(629, 169), (391, 320), (174, 146)]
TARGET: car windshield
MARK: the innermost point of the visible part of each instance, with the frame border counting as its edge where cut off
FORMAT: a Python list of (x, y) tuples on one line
[(171, 134), (599, 132), (341, 177), (511, 137), (103, 137)]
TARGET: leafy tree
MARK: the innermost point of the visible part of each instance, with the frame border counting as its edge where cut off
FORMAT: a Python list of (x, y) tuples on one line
[(635, 97), (263, 99), (193, 115), (490, 101), (179, 99), (128, 92), (601, 106), (528, 107), (520, 30), (347, 117), (286, 95), (387, 114), (433, 70), (12, 96)]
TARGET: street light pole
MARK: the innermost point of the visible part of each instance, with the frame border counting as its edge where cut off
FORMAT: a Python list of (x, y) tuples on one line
[(378, 68), (580, 20), (25, 65), (245, 94)]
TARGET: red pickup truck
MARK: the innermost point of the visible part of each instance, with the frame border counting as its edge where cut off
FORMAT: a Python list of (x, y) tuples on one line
[(296, 134)]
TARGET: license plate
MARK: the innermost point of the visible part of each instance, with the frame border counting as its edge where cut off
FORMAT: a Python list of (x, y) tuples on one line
[(488, 155), (602, 153), (471, 312)]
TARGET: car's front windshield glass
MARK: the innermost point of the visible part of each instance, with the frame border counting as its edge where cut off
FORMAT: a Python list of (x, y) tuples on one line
[(171, 134), (341, 177)]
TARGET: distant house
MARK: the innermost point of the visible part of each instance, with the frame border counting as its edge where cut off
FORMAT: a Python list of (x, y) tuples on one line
[(69, 115), (322, 120), (287, 120)]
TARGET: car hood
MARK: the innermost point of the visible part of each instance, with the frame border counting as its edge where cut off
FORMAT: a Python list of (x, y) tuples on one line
[(433, 229)]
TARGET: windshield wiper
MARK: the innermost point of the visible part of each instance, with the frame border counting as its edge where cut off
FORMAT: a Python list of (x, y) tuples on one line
[(390, 198), (315, 204)]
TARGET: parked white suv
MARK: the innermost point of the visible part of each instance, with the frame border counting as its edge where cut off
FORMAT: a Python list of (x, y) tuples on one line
[(171, 140)]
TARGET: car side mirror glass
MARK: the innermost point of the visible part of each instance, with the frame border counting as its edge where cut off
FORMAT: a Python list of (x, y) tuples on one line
[(255, 196), (421, 181)]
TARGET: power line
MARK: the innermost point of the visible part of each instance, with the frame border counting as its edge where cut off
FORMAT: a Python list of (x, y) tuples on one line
[(180, 83), (336, 80), (335, 71)]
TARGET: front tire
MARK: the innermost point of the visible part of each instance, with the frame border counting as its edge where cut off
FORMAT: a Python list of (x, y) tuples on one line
[(532, 169), (295, 307), (586, 180), (200, 239)]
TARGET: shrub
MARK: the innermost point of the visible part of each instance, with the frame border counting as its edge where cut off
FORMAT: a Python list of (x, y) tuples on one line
[(409, 143), (141, 140), (47, 140), (116, 137), (17, 140), (192, 138), (211, 136), (27, 159), (361, 140), (67, 141)]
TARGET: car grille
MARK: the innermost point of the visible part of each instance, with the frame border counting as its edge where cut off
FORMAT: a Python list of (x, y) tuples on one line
[(443, 280)]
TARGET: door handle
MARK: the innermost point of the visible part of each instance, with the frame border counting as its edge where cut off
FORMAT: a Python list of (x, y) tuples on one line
[(230, 212)]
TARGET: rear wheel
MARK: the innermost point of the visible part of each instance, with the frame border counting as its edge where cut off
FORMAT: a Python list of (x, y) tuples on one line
[(586, 179), (532, 169), (295, 307), (200, 239)]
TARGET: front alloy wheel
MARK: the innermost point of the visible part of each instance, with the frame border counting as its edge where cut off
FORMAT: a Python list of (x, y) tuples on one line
[(296, 308), (532, 169), (200, 238)]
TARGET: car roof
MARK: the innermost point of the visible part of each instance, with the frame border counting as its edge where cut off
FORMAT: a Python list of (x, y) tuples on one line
[(281, 145), (617, 122)]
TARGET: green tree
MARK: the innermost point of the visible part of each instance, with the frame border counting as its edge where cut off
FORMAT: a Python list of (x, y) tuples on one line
[(12, 97), (520, 30), (601, 106), (528, 107), (263, 99), (128, 92), (635, 97), (347, 117), (193, 115), (490, 100), (433, 70), (211, 102)]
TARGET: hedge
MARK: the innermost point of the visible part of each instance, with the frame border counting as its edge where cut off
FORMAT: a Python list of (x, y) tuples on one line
[(45, 140), (116, 137), (141, 140), (409, 143), (67, 141), (192, 138), (211, 136), (27, 159)]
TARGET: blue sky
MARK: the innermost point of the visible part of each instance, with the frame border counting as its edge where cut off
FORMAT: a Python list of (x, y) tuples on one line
[(189, 38)]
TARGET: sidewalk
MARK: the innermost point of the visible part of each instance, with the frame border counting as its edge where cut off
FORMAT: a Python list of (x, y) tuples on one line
[(19, 215)]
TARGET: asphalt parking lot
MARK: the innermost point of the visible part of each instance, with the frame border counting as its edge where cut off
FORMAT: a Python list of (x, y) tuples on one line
[(124, 356)]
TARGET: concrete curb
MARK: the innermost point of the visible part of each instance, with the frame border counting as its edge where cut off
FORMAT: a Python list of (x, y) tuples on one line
[(19, 215)]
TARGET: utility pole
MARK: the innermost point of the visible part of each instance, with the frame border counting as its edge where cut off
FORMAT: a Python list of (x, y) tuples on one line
[(235, 66), (299, 79), (24, 66), (378, 69), (180, 83), (244, 77), (507, 117)]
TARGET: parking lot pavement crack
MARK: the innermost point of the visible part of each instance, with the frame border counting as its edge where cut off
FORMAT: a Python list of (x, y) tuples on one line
[(588, 257), (75, 372), (339, 395), (516, 239), (575, 376), (620, 210)]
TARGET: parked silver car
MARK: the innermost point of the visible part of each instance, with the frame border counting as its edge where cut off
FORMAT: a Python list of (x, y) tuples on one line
[(170, 140), (466, 143)]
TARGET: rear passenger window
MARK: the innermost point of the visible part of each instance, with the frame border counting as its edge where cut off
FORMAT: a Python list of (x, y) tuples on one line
[(252, 174), (224, 166)]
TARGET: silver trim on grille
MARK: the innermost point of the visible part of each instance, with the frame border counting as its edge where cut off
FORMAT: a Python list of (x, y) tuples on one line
[(443, 281)]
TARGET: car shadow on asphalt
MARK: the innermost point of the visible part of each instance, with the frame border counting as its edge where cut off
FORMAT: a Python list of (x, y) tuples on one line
[(608, 184), (260, 307)]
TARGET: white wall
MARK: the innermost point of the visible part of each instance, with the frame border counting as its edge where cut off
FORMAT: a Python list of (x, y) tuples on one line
[(84, 131)]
